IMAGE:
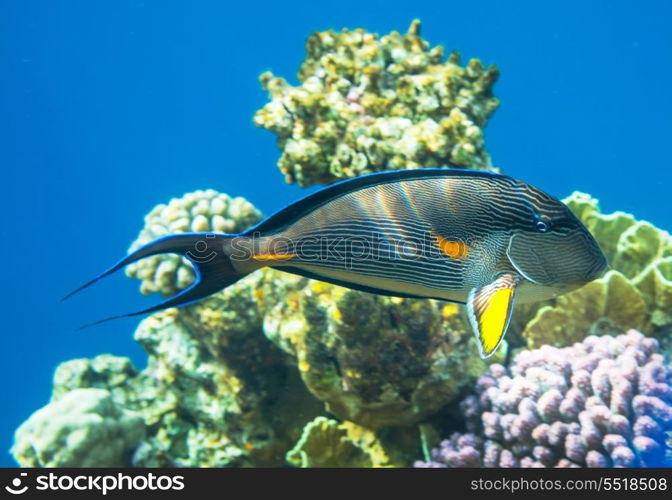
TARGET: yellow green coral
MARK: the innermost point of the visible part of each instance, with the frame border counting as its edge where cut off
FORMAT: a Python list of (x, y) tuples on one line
[(611, 304), (227, 381), (214, 393), (328, 443), (200, 211), (367, 104), (655, 283)]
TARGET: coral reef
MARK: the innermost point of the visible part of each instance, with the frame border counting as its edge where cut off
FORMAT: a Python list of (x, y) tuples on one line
[(606, 401), (636, 293), (367, 104), (200, 211), (82, 428), (215, 392), (377, 361)]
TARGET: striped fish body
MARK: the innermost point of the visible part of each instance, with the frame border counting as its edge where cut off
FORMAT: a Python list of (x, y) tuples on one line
[(435, 237), (482, 239)]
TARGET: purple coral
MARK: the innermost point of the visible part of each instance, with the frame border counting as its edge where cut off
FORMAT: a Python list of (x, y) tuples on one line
[(604, 402)]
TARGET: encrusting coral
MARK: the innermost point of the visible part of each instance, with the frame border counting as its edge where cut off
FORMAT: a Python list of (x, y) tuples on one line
[(636, 293), (233, 397), (604, 402), (200, 211), (367, 104)]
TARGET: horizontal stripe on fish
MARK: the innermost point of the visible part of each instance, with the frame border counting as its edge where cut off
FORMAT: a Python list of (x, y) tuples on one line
[(394, 230)]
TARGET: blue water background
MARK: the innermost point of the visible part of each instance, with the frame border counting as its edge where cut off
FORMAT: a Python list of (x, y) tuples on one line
[(108, 108)]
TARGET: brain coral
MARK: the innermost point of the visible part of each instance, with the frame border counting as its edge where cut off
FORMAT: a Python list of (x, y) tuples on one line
[(200, 211), (604, 402), (367, 104)]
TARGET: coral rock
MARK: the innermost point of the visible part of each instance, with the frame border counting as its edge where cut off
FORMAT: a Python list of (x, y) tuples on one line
[(367, 104), (83, 428), (377, 361)]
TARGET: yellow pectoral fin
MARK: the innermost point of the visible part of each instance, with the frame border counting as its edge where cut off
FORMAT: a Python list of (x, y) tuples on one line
[(493, 321), (490, 309)]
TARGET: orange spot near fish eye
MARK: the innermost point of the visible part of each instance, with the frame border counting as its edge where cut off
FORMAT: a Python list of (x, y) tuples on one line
[(249, 446), (455, 249)]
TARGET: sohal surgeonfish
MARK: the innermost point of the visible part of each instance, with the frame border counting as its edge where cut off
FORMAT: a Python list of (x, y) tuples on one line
[(481, 239)]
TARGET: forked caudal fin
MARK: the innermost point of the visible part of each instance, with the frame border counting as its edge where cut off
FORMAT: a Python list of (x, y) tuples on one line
[(213, 268)]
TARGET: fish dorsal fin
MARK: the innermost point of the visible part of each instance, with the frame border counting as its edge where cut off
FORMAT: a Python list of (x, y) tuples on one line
[(490, 309)]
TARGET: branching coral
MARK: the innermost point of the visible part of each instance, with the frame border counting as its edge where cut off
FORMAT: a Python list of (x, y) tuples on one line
[(604, 402), (367, 104), (200, 211)]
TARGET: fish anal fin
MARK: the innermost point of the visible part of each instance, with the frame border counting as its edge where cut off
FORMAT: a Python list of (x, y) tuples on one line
[(490, 309)]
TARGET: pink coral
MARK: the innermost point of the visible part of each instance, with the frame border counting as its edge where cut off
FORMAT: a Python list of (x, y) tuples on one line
[(604, 402)]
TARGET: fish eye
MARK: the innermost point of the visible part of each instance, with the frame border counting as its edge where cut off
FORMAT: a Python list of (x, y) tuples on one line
[(543, 226)]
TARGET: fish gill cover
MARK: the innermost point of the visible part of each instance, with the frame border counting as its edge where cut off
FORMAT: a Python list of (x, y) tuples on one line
[(283, 370)]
